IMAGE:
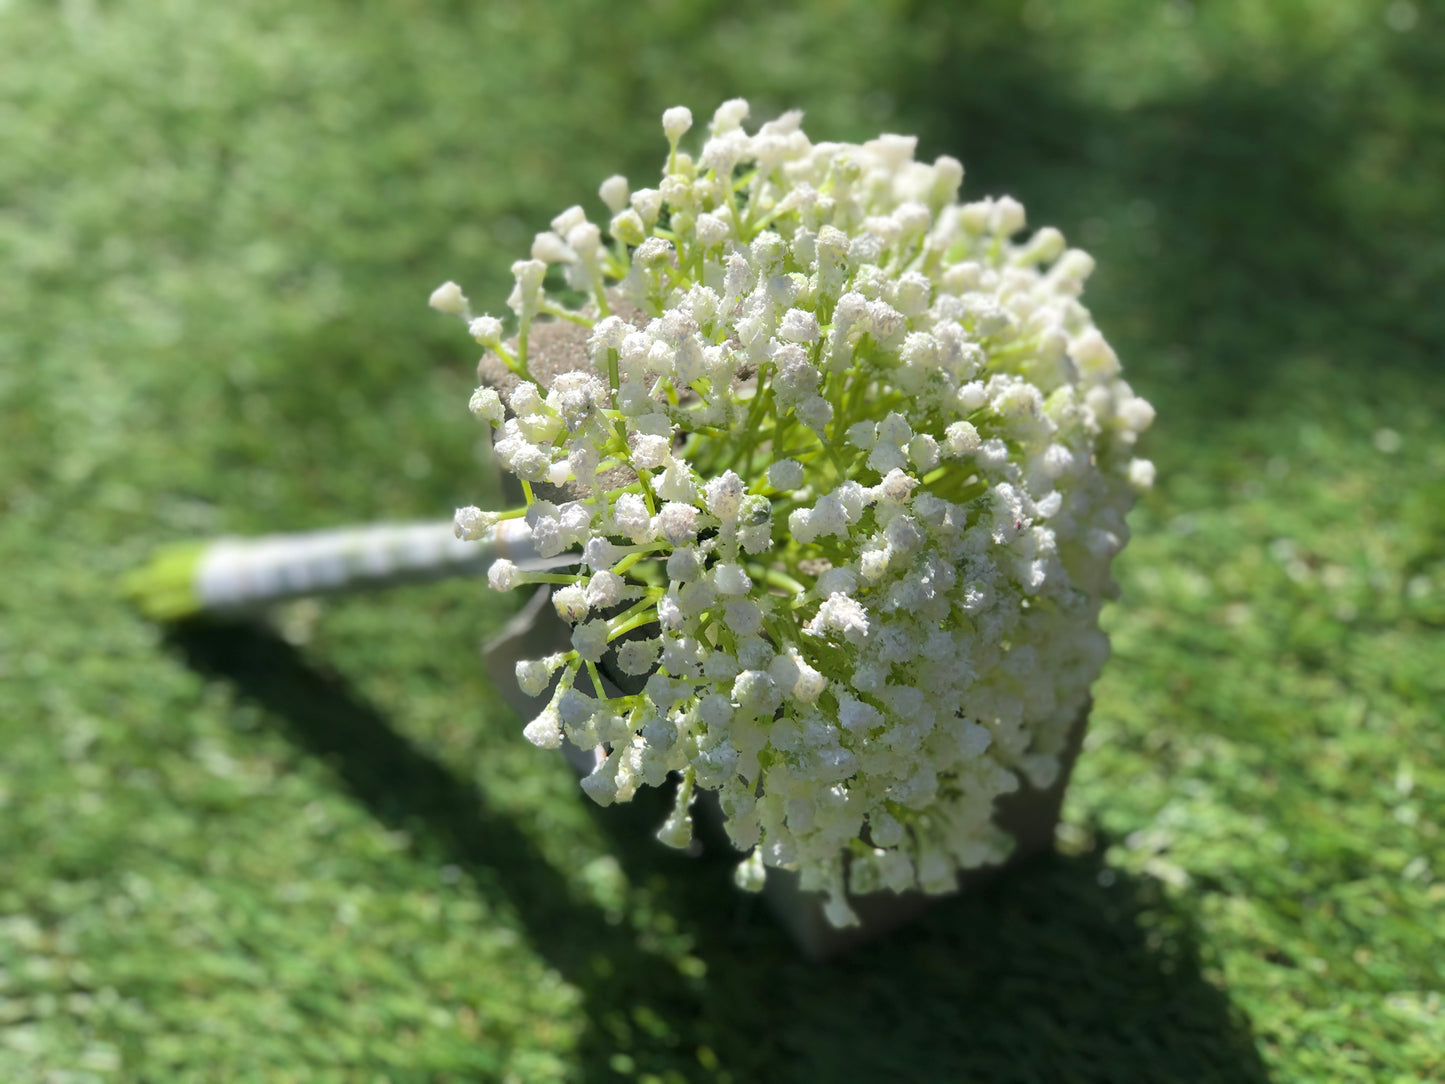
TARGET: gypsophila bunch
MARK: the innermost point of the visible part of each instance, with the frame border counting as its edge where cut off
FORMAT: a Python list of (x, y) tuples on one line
[(844, 462)]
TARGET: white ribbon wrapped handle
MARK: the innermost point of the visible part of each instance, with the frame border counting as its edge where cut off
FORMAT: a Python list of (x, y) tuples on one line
[(245, 573)]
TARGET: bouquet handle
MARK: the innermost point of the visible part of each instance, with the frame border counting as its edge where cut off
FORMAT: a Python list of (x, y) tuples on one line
[(230, 577)]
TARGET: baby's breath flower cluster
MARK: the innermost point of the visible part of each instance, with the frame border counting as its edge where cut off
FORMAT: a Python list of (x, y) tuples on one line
[(844, 462)]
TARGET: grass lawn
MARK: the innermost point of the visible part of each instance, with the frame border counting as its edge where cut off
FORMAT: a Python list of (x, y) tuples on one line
[(320, 850)]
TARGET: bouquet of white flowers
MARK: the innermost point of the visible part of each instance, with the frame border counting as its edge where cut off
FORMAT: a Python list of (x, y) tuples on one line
[(843, 466)]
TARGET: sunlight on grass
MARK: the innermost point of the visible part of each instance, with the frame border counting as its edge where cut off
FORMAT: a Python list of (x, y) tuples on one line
[(329, 854)]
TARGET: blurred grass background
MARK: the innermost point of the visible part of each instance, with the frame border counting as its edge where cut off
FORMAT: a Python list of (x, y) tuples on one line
[(323, 852)]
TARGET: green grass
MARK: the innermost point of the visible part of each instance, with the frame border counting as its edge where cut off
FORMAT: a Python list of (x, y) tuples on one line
[(325, 853)]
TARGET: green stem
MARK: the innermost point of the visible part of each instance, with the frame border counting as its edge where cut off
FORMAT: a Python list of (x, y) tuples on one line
[(648, 617), (567, 314), (776, 578), (596, 681)]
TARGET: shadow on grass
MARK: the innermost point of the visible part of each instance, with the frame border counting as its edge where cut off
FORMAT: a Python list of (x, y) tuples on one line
[(1065, 971), (1244, 223)]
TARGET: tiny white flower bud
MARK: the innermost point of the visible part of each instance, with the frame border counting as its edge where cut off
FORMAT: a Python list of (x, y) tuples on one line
[(724, 496), (961, 438), (835, 580), (590, 640), (630, 515), (677, 522), (896, 487), (605, 589), (923, 450), (785, 475), (448, 298), (653, 252), (545, 731), (815, 412), (550, 248), (798, 326), (585, 239), (731, 579), (683, 564), (728, 116), (647, 202), (471, 524), (570, 602), (750, 874), (627, 226), (972, 397), (599, 554), (1137, 414), (712, 229), (572, 216), (1094, 356), (637, 657), (1007, 217), (487, 330), (614, 192), (487, 405), (650, 452), (796, 677), (502, 576), (533, 676), (676, 122)]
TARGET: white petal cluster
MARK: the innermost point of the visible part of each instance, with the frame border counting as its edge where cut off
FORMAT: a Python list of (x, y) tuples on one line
[(849, 464)]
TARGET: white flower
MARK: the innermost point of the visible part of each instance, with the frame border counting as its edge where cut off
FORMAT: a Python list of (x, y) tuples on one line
[(637, 657), (728, 116), (1135, 413), (628, 227), (896, 487), (755, 693), (653, 252), (785, 475), (712, 229), (1141, 474), (961, 438), (545, 731), (503, 575), (928, 412), (724, 496), (487, 405), (743, 617), (528, 294), (549, 248), (650, 452), (842, 614), (471, 523), (731, 579), (534, 675), (571, 603), (676, 121), (589, 640), (630, 515), (1007, 217), (750, 873), (448, 298), (677, 522), (614, 193), (798, 326), (796, 677), (1094, 357), (487, 330)]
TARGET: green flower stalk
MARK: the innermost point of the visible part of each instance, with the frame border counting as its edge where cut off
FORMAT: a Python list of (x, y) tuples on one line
[(842, 463)]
